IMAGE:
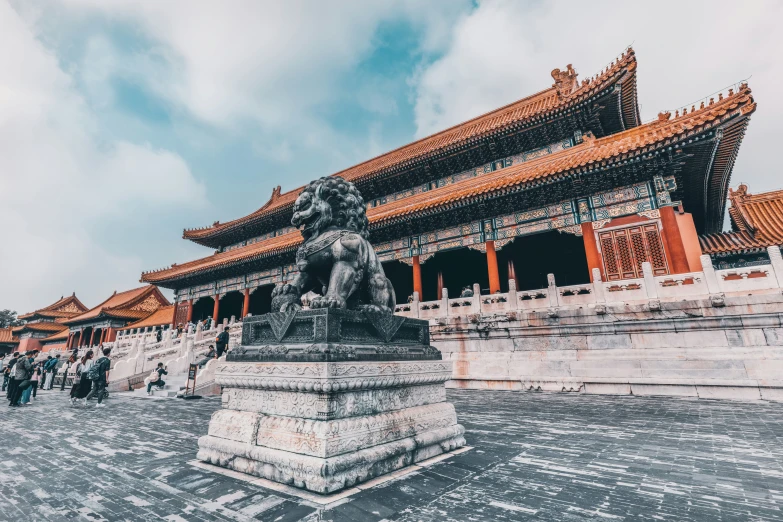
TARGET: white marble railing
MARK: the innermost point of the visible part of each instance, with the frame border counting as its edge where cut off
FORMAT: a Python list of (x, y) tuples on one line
[(709, 283), (141, 354)]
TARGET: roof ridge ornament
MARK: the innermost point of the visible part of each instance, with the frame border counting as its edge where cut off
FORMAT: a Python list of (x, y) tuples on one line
[(566, 82)]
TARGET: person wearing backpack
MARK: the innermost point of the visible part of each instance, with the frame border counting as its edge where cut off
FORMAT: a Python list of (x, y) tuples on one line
[(221, 343), (23, 371), (99, 375), (8, 375), (81, 384), (156, 378)]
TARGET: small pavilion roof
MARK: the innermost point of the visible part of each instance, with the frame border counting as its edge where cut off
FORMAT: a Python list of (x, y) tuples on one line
[(160, 317), (40, 326), (130, 305), (65, 307), (7, 336), (756, 220), (532, 109), (56, 338), (590, 154)]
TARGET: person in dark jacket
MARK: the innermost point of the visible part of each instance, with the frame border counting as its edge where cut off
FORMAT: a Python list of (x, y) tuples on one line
[(23, 371), (99, 384), (8, 372), (211, 354), (159, 382), (221, 342)]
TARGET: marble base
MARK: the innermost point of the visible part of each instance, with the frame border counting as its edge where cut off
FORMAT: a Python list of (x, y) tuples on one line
[(332, 474), (316, 400)]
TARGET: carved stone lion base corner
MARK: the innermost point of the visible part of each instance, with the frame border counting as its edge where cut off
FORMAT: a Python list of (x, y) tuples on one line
[(325, 399)]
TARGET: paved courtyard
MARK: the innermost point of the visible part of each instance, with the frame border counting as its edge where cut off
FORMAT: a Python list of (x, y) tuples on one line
[(536, 457)]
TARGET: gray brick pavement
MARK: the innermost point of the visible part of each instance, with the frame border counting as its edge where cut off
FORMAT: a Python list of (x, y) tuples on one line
[(542, 456)]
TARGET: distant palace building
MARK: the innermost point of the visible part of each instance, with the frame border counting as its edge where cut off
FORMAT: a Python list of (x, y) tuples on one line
[(101, 324), (756, 222), (563, 181), (43, 329)]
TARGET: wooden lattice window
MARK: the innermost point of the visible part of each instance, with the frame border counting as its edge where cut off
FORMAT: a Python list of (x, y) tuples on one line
[(625, 249)]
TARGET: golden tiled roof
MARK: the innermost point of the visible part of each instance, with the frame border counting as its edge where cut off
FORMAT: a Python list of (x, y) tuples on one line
[(7, 336), (64, 307), (40, 326), (590, 153), (132, 304), (530, 109), (160, 317), (757, 220)]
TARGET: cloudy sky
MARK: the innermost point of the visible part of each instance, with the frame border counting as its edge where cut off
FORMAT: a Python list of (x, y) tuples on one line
[(123, 122)]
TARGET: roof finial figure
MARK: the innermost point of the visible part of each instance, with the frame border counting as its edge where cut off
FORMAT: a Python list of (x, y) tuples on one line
[(565, 81)]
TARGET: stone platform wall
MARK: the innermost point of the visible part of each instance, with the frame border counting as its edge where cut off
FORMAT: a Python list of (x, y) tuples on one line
[(727, 348)]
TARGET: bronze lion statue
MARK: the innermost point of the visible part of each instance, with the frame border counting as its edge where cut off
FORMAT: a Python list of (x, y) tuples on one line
[(336, 256)]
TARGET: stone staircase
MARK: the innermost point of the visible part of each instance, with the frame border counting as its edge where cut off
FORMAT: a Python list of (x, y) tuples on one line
[(175, 385)]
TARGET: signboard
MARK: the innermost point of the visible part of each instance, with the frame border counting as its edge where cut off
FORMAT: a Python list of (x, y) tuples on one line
[(192, 371)]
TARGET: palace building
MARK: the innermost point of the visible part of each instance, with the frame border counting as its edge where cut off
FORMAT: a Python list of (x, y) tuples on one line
[(100, 324), (756, 222), (562, 182), (45, 329)]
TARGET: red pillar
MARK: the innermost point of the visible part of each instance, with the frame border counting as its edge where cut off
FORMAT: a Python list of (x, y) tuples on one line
[(246, 303), (81, 337), (68, 342), (92, 337), (440, 285), (111, 335), (190, 310), (671, 231), (174, 318), (417, 277), (492, 267), (591, 250), (103, 335), (216, 309)]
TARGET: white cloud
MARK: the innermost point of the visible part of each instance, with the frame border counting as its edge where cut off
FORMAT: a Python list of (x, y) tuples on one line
[(62, 179), (270, 62), (505, 50)]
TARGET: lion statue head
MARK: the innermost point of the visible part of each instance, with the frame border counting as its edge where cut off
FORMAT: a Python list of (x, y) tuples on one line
[(330, 202)]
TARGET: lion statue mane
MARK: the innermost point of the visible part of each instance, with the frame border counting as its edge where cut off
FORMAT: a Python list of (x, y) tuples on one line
[(336, 256)]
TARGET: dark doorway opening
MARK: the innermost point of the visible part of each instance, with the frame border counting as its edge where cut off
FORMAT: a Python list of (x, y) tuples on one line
[(231, 304), (460, 268), (203, 308), (86, 333), (401, 277), (261, 300), (537, 255)]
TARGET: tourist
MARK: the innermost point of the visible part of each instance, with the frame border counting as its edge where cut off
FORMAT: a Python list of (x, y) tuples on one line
[(211, 354), (156, 378), (158, 334), (51, 362), (68, 364), (208, 323), (179, 330), (8, 365), (8, 376), (31, 390), (81, 384), (221, 341), (55, 367), (99, 375), (23, 372)]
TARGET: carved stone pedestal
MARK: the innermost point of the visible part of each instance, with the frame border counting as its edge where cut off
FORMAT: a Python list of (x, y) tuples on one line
[(324, 399)]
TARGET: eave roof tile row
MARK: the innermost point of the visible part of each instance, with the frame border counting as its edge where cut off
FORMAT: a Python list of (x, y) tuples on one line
[(592, 152), (531, 108), (757, 220)]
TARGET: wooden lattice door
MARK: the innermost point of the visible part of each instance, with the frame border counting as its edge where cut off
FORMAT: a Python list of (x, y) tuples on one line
[(625, 249)]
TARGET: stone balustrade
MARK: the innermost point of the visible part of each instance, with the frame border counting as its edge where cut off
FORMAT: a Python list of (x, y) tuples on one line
[(710, 282)]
